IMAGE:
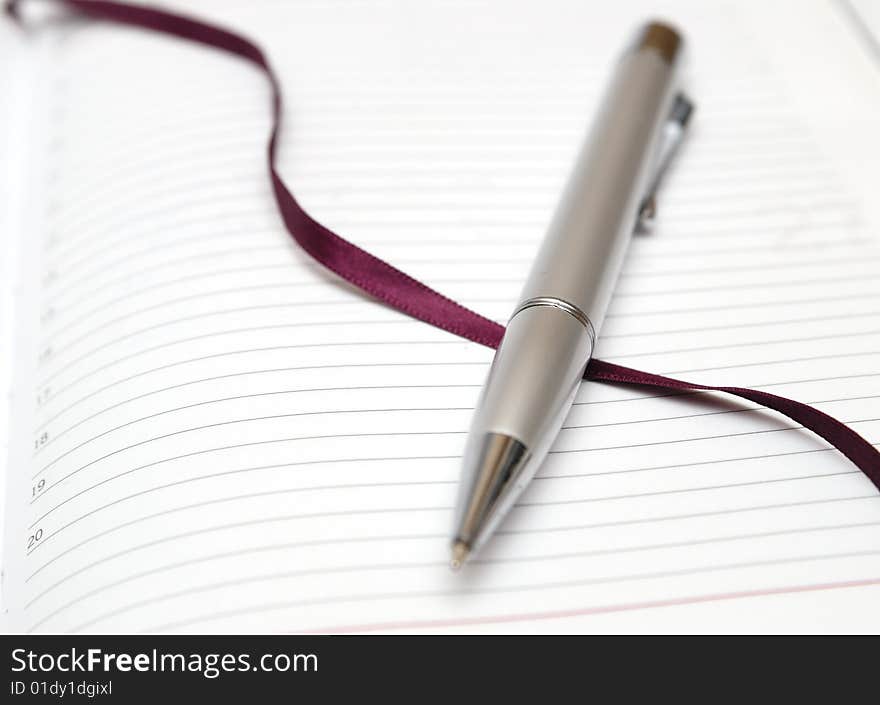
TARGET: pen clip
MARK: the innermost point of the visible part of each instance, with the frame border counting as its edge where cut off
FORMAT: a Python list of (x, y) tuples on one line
[(673, 135)]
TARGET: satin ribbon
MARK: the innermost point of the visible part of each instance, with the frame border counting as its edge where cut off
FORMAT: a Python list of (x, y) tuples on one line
[(399, 290)]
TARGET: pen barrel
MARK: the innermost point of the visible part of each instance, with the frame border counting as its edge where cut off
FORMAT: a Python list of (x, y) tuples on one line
[(550, 336), (529, 391), (531, 384), (582, 253)]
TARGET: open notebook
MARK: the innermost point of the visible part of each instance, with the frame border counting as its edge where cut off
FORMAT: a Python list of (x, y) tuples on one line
[(212, 434)]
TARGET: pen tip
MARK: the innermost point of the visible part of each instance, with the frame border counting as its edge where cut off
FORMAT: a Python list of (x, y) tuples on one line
[(460, 553)]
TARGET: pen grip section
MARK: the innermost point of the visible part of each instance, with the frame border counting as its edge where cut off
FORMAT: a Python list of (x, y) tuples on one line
[(534, 376)]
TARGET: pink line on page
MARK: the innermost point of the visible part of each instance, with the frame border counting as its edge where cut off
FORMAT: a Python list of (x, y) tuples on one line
[(560, 614)]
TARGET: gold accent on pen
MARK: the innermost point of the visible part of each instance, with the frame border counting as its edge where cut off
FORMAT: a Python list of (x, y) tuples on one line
[(662, 38)]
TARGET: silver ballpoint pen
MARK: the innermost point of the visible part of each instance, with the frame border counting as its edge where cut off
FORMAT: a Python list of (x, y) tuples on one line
[(550, 336)]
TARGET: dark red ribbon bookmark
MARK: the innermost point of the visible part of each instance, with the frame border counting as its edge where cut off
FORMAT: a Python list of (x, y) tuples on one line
[(401, 291)]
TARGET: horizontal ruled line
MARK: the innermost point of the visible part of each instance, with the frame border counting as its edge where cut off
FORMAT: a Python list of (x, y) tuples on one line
[(490, 591), (267, 520), (425, 433), (477, 561), (355, 343)]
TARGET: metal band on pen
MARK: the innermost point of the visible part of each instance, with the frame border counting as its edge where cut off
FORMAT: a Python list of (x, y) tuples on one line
[(562, 305)]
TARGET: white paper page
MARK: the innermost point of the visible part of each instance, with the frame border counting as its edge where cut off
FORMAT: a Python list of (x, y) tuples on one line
[(225, 438), (8, 54), (20, 178)]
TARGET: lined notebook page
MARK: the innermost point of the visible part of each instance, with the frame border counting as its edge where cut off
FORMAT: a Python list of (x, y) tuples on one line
[(219, 436)]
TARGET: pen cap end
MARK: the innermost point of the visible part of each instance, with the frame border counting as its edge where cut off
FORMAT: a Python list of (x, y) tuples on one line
[(662, 38)]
